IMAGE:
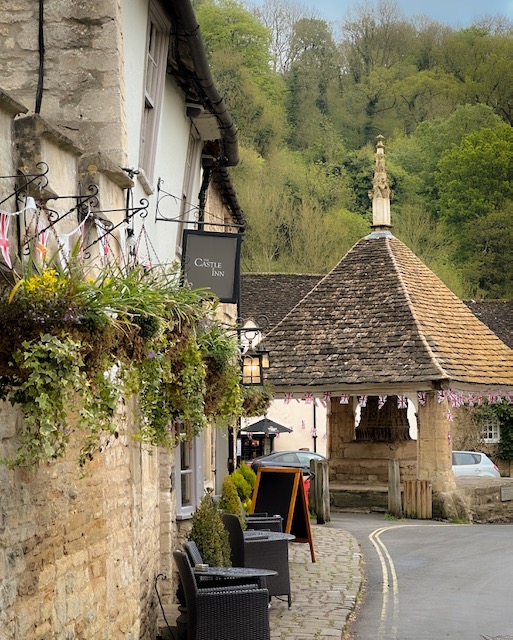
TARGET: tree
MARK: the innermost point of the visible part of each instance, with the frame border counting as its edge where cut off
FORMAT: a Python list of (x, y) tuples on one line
[(280, 17)]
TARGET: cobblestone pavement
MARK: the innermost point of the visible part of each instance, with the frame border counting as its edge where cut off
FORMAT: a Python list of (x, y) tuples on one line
[(323, 593)]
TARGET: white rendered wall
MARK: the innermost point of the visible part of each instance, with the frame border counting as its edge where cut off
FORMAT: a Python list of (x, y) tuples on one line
[(300, 418)]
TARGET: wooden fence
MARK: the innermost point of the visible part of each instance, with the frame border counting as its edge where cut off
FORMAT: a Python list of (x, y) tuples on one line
[(418, 499)]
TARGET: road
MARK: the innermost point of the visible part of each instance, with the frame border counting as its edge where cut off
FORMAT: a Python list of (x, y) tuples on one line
[(427, 580)]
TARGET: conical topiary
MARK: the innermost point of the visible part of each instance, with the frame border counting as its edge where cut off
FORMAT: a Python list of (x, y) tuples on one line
[(209, 534), (230, 501)]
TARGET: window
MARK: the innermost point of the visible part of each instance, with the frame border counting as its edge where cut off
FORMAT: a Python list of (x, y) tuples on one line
[(191, 164), (491, 429), (189, 477), (156, 61)]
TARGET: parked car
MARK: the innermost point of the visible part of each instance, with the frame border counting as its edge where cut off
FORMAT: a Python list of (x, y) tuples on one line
[(294, 459), (473, 463)]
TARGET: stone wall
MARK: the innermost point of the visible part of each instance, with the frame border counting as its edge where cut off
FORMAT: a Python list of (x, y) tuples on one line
[(79, 549), (364, 462), (83, 91), (79, 552)]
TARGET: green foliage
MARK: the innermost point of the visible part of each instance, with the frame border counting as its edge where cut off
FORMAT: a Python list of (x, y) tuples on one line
[(243, 478), (209, 533), (72, 346), (256, 400), (249, 475), (504, 412), (230, 500), (309, 102)]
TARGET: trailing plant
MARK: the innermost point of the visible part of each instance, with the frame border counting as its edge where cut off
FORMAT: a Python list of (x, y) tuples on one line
[(209, 533), (75, 341), (256, 400)]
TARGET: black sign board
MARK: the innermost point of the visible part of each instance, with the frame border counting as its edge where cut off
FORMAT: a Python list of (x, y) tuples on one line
[(212, 260), (282, 492)]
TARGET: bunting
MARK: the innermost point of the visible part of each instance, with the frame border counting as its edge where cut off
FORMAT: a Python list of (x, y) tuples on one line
[(344, 398), (362, 401), (382, 401), (402, 402), (421, 397), (4, 238)]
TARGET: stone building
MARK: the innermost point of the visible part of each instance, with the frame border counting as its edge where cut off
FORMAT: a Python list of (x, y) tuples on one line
[(109, 108), (378, 334)]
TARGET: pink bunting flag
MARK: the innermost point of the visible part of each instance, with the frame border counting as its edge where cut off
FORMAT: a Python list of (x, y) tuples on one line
[(42, 239), (4, 238), (309, 399)]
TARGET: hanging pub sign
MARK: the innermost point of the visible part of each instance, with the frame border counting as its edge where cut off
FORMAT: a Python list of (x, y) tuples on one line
[(212, 260)]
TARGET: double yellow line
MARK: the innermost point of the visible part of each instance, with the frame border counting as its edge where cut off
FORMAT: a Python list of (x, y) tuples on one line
[(389, 619), (390, 608)]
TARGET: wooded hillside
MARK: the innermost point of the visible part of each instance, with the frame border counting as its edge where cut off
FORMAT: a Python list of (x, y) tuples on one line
[(309, 99)]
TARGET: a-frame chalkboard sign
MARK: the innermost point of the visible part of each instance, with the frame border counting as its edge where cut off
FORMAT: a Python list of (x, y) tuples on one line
[(282, 492)]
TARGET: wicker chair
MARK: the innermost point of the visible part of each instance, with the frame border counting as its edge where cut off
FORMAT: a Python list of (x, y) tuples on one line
[(260, 553), (224, 613), (263, 521)]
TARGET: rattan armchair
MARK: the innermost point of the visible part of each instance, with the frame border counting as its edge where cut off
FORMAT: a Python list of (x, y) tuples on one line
[(260, 553), (224, 613)]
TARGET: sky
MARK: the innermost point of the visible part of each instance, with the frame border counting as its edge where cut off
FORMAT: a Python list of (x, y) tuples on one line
[(455, 13)]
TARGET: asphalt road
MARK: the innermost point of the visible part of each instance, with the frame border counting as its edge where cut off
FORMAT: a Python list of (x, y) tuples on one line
[(427, 580)]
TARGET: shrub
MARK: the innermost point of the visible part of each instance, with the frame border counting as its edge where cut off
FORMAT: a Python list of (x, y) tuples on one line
[(230, 501), (209, 534)]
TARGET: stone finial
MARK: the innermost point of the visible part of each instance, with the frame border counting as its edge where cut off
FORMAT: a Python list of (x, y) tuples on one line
[(380, 194)]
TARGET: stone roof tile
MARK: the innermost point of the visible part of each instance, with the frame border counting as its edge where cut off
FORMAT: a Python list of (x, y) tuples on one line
[(381, 316)]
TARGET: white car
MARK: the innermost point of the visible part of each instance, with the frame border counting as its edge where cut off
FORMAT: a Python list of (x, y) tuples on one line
[(473, 463)]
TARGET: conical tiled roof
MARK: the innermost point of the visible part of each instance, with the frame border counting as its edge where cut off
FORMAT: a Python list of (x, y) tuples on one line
[(380, 318)]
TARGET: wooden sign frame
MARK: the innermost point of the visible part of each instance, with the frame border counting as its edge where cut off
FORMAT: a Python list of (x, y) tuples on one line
[(281, 491)]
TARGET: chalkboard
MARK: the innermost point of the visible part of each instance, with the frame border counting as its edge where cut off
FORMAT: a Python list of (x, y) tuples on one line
[(282, 492)]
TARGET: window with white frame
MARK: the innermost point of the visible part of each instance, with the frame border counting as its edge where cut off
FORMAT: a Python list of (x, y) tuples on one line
[(186, 205), (156, 61), (491, 429), (189, 477)]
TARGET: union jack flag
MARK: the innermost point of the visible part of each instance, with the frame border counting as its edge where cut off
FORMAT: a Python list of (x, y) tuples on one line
[(303, 425), (471, 399), (381, 401), (421, 397), (4, 238), (362, 401), (326, 398), (309, 398), (287, 398), (344, 398), (450, 416), (440, 396), (402, 402)]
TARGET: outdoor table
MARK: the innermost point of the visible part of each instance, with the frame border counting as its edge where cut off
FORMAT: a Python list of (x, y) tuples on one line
[(233, 572), (259, 535)]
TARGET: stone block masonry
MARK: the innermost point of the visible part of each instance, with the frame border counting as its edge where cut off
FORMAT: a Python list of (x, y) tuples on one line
[(79, 553)]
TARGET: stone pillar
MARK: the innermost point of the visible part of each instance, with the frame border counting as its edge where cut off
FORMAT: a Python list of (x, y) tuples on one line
[(434, 444), (340, 427)]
